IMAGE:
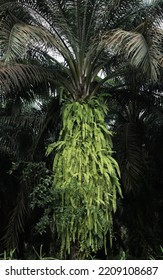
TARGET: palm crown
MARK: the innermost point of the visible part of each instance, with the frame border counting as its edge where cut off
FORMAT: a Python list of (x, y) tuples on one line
[(86, 35)]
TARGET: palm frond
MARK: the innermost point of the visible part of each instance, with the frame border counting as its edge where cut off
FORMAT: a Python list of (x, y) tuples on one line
[(16, 222), (17, 131), (130, 155), (18, 76), (141, 54), (131, 111)]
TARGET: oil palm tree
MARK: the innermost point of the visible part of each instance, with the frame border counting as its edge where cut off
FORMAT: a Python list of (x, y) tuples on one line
[(134, 112), (88, 35)]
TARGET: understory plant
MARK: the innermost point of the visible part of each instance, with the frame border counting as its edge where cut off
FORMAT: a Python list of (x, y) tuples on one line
[(85, 178)]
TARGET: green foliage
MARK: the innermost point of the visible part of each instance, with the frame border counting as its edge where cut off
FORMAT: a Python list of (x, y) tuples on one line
[(40, 255), (85, 177), (160, 256), (42, 197), (35, 193), (7, 255), (31, 254), (42, 193), (43, 223)]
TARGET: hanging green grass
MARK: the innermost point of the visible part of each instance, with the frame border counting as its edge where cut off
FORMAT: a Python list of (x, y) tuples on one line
[(85, 177)]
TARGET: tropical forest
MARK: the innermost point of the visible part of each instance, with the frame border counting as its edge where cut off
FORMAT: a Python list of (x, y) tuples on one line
[(81, 129)]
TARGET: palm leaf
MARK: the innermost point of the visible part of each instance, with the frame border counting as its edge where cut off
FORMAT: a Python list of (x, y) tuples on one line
[(16, 222), (141, 54), (18, 76)]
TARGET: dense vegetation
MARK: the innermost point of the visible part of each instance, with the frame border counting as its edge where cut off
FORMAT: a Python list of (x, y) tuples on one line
[(81, 129)]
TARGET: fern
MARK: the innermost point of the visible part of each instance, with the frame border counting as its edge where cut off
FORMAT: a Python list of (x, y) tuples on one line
[(85, 177)]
